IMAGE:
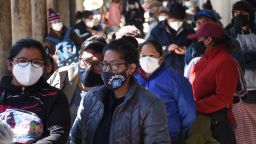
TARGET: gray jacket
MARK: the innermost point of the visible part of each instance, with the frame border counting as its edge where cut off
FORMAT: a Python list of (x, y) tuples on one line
[(141, 118)]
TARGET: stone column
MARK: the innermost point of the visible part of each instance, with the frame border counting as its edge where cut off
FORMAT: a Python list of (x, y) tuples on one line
[(79, 5), (52, 4), (75, 5), (5, 33), (64, 11), (39, 21), (21, 19)]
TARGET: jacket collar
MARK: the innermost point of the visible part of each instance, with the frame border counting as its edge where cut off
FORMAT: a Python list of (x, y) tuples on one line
[(104, 92), (154, 74), (6, 84), (164, 25), (235, 30), (209, 54), (60, 34)]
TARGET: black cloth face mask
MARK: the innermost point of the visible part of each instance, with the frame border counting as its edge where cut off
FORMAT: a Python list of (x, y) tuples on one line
[(200, 47), (114, 81), (241, 20)]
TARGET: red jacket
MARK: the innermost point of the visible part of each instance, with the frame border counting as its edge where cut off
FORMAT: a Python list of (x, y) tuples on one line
[(214, 80)]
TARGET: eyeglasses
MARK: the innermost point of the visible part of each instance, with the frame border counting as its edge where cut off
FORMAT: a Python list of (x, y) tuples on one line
[(24, 62), (85, 61), (113, 66)]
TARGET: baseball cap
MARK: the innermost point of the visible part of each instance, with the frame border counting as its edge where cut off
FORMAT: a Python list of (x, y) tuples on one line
[(207, 13), (209, 29)]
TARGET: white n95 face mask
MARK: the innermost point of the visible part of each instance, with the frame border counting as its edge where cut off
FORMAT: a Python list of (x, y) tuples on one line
[(27, 75), (57, 26), (176, 25), (90, 24), (149, 64), (162, 18)]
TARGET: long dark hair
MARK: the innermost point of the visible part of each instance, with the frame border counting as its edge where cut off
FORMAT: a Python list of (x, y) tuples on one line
[(83, 14), (155, 44), (228, 42), (26, 43)]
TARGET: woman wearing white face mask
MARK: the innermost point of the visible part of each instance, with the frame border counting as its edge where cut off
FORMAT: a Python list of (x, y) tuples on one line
[(57, 34), (28, 102), (173, 89), (88, 25)]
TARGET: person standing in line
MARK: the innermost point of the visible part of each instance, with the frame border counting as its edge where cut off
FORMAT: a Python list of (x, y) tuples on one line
[(172, 88), (120, 111), (172, 35), (214, 80)]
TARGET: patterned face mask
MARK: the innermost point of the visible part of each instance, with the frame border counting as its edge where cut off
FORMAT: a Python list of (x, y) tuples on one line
[(114, 81)]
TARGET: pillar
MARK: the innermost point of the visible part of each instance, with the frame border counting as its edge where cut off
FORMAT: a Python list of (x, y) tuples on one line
[(75, 5), (21, 19), (39, 21), (64, 11), (5, 33), (52, 4)]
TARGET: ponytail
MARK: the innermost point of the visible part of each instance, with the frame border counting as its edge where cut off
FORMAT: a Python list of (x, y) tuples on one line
[(79, 15), (83, 14)]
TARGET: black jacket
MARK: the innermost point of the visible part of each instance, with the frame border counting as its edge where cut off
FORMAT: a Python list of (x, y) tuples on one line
[(48, 103), (140, 118)]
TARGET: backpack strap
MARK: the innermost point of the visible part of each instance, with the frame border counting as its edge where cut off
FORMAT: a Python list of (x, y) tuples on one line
[(52, 39), (67, 34)]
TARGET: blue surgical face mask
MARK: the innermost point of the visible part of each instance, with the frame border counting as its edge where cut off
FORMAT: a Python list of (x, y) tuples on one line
[(83, 73), (114, 81)]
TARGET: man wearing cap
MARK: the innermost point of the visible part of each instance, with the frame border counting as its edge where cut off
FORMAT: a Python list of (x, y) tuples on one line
[(57, 30), (172, 35), (214, 80)]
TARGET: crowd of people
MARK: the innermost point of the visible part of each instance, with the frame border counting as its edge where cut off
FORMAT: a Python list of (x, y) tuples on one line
[(187, 80)]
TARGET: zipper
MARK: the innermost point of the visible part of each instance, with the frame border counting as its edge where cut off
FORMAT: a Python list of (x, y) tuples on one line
[(110, 135), (98, 123), (23, 89), (118, 108)]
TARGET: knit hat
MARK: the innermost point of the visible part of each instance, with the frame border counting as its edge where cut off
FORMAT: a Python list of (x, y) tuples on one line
[(52, 15), (176, 11)]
